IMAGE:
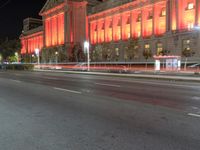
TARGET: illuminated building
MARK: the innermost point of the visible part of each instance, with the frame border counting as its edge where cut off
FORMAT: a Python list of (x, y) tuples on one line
[(158, 25)]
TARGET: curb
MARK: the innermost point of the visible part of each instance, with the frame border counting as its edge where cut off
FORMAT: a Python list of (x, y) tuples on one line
[(161, 77)]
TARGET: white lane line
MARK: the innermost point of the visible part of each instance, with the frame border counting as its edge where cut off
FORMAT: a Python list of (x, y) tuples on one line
[(15, 81), (66, 90), (18, 74), (51, 78), (194, 115), (111, 85)]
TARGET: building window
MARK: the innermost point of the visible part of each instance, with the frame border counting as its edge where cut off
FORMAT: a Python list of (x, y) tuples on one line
[(117, 51), (110, 24), (147, 46), (159, 47), (163, 12), (190, 6), (103, 26), (186, 45), (128, 21), (139, 18), (150, 15), (126, 53), (190, 26), (95, 29), (119, 23)]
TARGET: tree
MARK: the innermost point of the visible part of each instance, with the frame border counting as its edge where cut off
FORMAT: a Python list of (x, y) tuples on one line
[(105, 47), (49, 54), (147, 54), (77, 53), (9, 47), (132, 48), (187, 53), (97, 53)]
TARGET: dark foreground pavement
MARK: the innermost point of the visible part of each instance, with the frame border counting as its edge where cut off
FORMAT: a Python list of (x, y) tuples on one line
[(51, 111)]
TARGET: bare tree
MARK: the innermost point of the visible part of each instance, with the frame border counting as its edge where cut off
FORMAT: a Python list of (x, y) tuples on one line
[(147, 54), (187, 53)]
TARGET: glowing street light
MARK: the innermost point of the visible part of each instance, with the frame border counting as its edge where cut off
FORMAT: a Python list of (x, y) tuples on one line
[(17, 56), (86, 49), (56, 53), (37, 52)]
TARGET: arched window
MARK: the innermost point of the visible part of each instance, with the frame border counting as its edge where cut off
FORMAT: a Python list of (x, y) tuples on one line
[(190, 6), (159, 47), (163, 12), (139, 18), (150, 15)]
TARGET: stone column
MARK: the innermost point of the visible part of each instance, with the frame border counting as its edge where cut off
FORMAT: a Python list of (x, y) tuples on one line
[(168, 15), (196, 13), (142, 22), (113, 28), (131, 24), (121, 25), (177, 14), (105, 29)]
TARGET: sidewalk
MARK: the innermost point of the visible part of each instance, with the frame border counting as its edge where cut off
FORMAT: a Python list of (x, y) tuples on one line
[(179, 76)]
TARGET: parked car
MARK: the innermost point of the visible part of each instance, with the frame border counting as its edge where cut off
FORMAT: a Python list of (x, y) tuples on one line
[(194, 66), (80, 67), (121, 69)]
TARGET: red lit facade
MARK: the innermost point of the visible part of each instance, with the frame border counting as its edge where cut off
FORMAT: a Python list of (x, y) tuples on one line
[(143, 19), (157, 25), (54, 30), (32, 42)]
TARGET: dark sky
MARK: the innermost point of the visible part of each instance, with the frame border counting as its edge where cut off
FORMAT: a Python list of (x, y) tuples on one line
[(13, 13)]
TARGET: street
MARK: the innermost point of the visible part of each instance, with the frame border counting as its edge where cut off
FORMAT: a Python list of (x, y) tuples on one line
[(60, 111)]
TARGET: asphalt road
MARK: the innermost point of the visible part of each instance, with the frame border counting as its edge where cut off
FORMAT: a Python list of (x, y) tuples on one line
[(59, 111)]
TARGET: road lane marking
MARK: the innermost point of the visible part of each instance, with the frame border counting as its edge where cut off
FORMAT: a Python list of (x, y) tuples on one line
[(18, 74), (51, 78), (194, 115), (66, 90), (15, 81), (111, 85), (196, 98)]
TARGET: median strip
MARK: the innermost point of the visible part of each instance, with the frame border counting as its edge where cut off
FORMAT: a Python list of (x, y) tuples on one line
[(194, 115), (66, 90), (111, 85)]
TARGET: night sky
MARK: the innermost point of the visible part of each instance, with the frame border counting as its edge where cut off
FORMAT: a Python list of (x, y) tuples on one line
[(12, 13)]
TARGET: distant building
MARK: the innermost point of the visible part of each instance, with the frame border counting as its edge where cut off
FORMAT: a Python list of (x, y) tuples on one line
[(118, 30)]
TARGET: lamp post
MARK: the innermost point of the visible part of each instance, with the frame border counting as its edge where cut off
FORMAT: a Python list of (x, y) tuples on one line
[(37, 52), (17, 56), (86, 48), (56, 53)]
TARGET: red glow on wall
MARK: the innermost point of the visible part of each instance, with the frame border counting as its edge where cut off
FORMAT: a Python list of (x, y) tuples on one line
[(93, 32), (23, 49), (108, 29), (136, 23), (186, 13), (198, 11), (174, 22), (54, 30), (160, 18), (117, 28), (147, 22), (126, 26), (29, 44), (100, 31), (61, 28)]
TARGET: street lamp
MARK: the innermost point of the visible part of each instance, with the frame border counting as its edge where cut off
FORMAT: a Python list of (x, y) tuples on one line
[(56, 53), (17, 56), (37, 52), (86, 49)]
